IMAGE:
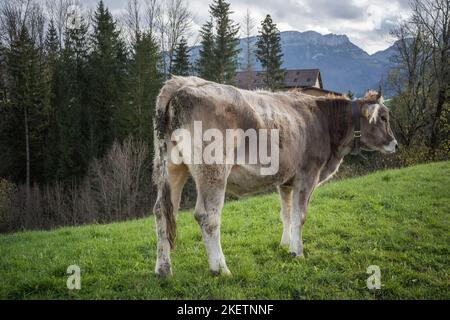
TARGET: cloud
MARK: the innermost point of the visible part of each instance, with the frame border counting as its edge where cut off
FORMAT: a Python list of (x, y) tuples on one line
[(344, 9), (366, 22)]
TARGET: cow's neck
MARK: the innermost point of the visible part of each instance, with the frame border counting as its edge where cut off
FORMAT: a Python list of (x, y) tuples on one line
[(341, 127), (345, 145)]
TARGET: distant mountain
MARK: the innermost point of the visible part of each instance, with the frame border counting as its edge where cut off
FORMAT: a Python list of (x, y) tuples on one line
[(385, 55), (343, 65)]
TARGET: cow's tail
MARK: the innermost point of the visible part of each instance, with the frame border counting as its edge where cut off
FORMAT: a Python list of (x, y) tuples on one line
[(163, 209)]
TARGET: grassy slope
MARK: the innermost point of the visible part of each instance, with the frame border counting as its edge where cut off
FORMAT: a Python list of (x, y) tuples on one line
[(398, 220)]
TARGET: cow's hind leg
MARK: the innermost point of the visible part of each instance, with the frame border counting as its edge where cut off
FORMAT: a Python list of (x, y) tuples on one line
[(286, 206), (178, 175), (165, 211), (211, 186)]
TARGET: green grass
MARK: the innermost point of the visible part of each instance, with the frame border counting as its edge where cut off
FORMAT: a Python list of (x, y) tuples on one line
[(397, 219)]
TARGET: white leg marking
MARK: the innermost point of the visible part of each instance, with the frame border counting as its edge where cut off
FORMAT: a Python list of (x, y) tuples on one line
[(296, 243), (286, 206)]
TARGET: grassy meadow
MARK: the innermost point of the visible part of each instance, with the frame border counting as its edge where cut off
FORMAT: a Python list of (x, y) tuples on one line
[(396, 219)]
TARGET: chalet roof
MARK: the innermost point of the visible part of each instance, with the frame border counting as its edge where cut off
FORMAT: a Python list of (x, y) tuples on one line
[(299, 78), (318, 90)]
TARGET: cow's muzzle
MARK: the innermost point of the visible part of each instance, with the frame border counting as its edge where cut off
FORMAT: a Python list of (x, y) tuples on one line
[(392, 147)]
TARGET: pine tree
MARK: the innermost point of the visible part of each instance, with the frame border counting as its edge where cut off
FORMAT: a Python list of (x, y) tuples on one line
[(51, 42), (107, 77), (269, 53), (226, 42), (181, 64), (249, 25), (145, 83), (71, 106), (52, 69), (23, 132), (2, 77), (5, 114), (205, 64)]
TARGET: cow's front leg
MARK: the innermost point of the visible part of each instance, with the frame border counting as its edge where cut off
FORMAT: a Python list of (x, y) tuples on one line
[(301, 194), (286, 206)]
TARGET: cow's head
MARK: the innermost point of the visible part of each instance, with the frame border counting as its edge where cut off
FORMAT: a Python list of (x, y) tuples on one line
[(376, 133)]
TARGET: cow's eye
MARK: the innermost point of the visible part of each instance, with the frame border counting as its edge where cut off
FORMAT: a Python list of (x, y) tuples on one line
[(383, 118)]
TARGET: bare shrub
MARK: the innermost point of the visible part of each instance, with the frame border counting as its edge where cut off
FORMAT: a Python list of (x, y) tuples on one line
[(7, 191), (119, 183), (117, 187)]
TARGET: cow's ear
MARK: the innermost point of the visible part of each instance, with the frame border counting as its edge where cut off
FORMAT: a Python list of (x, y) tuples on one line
[(370, 112), (365, 113)]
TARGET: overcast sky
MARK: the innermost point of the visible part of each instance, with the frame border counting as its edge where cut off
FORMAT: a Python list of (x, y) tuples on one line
[(365, 22)]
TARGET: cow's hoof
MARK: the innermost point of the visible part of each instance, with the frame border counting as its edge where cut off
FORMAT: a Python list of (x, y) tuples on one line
[(163, 274), (163, 271), (295, 255), (225, 273)]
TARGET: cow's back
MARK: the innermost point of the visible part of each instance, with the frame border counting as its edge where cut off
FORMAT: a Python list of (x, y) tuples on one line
[(225, 107)]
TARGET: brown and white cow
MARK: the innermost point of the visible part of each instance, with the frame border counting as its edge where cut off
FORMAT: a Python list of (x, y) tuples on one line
[(315, 133)]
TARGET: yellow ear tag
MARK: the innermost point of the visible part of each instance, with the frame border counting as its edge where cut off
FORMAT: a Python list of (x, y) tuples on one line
[(366, 113)]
